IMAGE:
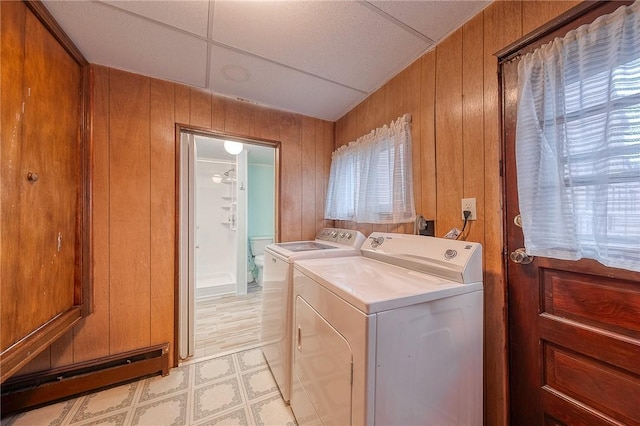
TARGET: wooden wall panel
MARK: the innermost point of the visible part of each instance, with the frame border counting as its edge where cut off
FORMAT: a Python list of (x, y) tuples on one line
[(90, 333), (537, 13), (308, 159), (502, 25), (473, 123), (234, 120), (217, 112), (162, 150), (129, 212), (200, 108), (427, 141), (290, 178), (449, 159), (182, 99)]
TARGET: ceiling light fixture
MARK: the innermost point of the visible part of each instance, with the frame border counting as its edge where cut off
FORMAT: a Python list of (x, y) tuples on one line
[(233, 148)]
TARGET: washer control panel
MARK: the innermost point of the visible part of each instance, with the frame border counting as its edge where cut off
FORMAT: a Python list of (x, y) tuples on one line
[(348, 237)]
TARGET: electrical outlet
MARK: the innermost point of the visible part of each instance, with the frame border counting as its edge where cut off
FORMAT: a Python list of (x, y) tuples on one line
[(469, 204)]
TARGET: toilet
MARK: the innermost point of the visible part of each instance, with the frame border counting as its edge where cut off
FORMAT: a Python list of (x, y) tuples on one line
[(258, 245)]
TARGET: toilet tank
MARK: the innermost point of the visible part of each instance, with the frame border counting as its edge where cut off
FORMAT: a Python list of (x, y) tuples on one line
[(258, 244)]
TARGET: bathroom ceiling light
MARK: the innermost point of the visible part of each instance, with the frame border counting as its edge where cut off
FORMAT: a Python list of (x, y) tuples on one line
[(233, 148), (216, 178)]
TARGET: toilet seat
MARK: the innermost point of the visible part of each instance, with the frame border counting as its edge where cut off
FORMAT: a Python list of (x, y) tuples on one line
[(259, 260)]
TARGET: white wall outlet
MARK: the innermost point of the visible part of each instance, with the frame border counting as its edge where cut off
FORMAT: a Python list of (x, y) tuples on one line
[(469, 204)]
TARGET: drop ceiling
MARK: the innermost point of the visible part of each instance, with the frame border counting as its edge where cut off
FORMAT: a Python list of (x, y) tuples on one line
[(317, 58)]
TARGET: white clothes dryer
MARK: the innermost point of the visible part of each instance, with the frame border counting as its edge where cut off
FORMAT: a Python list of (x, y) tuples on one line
[(391, 337), (277, 290)]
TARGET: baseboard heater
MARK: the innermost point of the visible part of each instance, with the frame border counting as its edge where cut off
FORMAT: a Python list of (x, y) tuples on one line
[(33, 390)]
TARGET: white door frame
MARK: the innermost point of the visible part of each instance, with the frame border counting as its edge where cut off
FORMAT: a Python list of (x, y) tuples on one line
[(186, 246)]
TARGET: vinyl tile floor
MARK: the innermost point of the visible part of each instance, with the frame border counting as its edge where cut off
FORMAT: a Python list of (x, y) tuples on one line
[(233, 389)]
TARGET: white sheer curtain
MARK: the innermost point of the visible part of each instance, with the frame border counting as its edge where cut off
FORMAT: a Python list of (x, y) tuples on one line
[(371, 180), (578, 143)]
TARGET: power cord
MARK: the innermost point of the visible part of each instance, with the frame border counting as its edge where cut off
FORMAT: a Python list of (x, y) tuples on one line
[(466, 214)]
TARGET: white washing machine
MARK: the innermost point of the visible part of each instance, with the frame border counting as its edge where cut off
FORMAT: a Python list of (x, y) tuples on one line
[(391, 337), (277, 290)]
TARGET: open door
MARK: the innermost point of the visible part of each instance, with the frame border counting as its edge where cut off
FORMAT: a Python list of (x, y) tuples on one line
[(574, 326), (186, 296)]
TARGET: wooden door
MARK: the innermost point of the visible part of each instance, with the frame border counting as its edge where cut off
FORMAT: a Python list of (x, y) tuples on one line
[(42, 187), (574, 327)]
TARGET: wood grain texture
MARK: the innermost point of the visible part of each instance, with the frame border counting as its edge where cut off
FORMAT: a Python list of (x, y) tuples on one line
[(217, 112), (502, 25), (426, 115), (12, 23), (308, 158), (449, 125), (129, 211), (537, 13), (473, 123), (200, 108), (50, 148), (182, 99), (89, 335), (42, 249), (162, 152), (290, 175)]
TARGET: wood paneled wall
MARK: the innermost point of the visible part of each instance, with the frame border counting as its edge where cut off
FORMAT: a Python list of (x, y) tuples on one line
[(133, 173), (452, 94)]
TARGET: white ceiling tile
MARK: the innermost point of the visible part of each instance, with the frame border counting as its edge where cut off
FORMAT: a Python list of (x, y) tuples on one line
[(111, 37), (272, 84), (434, 19), (341, 41), (317, 58), (191, 16)]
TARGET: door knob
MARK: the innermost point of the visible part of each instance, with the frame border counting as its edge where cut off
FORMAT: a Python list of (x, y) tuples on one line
[(518, 220), (520, 256)]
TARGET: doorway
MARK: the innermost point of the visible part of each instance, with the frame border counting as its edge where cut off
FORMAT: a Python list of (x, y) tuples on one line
[(227, 202)]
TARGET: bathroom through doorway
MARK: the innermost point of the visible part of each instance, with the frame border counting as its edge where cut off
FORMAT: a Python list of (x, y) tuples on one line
[(227, 210)]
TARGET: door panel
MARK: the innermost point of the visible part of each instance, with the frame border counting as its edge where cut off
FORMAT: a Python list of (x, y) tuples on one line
[(44, 260), (574, 327), (322, 366)]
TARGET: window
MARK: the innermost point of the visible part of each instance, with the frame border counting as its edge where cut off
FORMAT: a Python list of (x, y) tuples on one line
[(578, 143), (370, 179)]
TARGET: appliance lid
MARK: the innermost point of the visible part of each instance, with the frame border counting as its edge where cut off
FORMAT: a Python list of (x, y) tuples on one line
[(304, 246), (373, 286)]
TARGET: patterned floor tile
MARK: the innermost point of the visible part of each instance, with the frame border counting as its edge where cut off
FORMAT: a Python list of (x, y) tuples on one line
[(158, 386), (112, 420), (104, 402), (52, 415), (250, 359), (272, 411), (214, 369), (259, 383), (237, 417), (217, 397), (167, 411)]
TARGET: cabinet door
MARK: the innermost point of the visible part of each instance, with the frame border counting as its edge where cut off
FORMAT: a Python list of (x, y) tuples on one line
[(41, 187)]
